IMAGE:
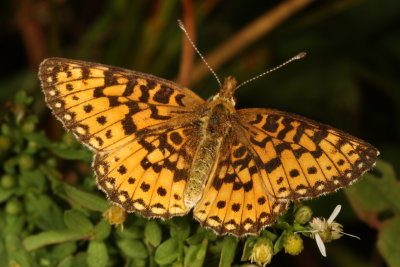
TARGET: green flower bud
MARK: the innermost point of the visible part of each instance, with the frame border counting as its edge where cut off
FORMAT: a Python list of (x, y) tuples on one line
[(13, 207), (7, 181), (26, 162), (5, 143), (293, 244), (303, 215), (262, 251), (28, 126)]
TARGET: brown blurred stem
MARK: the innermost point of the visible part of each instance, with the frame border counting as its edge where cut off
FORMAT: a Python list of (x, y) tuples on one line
[(254, 31), (31, 33), (187, 56)]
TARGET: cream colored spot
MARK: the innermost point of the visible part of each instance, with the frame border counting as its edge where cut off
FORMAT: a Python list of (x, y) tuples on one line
[(277, 208), (101, 169), (94, 142), (230, 227), (109, 185), (336, 181), (158, 210), (360, 165), (302, 191), (80, 130), (49, 79), (247, 226), (58, 105), (283, 194), (67, 117), (52, 92), (122, 198), (50, 68), (320, 187), (138, 206), (348, 175)]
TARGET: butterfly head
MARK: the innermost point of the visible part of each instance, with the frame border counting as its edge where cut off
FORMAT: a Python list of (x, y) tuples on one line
[(226, 93)]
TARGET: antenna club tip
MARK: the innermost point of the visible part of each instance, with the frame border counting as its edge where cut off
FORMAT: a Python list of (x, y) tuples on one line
[(300, 55), (180, 24)]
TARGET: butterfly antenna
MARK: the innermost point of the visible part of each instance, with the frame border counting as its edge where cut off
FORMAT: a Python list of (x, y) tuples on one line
[(296, 57), (197, 50)]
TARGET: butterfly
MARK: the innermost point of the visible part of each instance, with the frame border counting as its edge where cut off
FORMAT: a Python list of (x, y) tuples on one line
[(160, 150)]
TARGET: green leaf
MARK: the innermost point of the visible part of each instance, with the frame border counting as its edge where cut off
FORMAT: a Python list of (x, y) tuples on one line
[(152, 233), (133, 248), (278, 245), (16, 252), (52, 237), (132, 232), (376, 195), (76, 220), (60, 251), (195, 255), (86, 200), (97, 255), (228, 251), (167, 252), (372, 194), (248, 246), (388, 242), (180, 228), (102, 230)]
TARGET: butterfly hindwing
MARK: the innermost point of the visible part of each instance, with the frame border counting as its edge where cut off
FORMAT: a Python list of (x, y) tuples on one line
[(148, 175), (303, 158), (236, 200)]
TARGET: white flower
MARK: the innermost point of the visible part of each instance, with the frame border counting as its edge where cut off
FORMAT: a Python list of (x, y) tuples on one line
[(325, 231)]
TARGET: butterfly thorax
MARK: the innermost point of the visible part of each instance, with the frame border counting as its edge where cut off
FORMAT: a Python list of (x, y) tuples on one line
[(216, 125)]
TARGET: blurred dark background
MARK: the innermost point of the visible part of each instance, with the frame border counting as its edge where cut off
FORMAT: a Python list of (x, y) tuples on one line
[(350, 78)]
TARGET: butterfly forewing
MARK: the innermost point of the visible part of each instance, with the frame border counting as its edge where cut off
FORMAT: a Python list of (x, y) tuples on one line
[(139, 126), (105, 106), (303, 158)]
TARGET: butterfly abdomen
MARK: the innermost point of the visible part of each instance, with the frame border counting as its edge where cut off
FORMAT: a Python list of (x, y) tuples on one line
[(215, 127)]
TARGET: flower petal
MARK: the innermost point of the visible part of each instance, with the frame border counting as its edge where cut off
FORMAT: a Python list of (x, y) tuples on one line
[(335, 213), (320, 245)]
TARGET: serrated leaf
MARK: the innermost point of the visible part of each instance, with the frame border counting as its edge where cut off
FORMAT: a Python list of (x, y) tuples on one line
[(152, 233), (133, 248), (167, 252), (76, 220), (86, 200), (97, 255), (228, 251), (52, 237)]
